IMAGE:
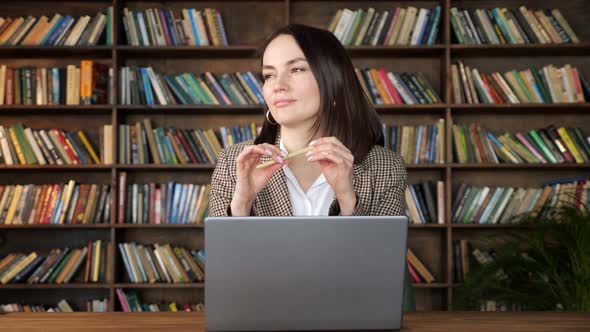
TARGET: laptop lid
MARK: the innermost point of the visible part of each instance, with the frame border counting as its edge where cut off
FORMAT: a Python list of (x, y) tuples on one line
[(304, 273)]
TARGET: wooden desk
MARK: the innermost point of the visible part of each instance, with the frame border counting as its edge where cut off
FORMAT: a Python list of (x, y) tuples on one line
[(194, 322)]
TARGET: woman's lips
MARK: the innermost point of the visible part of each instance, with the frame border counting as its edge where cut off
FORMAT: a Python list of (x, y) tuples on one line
[(283, 102)]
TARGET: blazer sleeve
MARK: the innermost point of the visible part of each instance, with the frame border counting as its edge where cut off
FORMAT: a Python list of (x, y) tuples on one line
[(392, 202), (222, 187)]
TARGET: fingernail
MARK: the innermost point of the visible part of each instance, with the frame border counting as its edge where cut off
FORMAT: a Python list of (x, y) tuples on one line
[(268, 152), (308, 153), (312, 142), (280, 159)]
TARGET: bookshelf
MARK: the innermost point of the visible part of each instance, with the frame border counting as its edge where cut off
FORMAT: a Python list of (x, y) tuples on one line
[(432, 243)]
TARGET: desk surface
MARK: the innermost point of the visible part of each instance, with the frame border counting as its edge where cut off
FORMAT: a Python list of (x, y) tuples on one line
[(173, 322)]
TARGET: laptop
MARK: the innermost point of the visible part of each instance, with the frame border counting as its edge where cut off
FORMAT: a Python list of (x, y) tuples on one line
[(304, 273)]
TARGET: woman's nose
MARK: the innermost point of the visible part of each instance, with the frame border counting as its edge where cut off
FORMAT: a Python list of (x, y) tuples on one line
[(281, 83)]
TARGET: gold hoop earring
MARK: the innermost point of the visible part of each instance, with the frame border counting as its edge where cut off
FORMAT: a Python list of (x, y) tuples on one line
[(268, 119), (334, 103)]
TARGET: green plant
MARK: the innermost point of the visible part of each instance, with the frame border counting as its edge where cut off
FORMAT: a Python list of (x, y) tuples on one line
[(547, 268)]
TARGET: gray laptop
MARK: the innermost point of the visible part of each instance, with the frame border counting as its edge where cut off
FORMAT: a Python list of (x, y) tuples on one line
[(304, 273)]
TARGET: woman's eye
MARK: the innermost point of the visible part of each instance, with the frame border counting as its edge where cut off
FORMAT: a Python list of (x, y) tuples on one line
[(266, 76), (298, 69)]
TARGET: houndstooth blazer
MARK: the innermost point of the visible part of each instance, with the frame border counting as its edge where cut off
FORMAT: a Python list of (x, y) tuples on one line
[(379, 182)]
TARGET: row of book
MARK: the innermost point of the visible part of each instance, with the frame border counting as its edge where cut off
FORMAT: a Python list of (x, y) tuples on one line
[(474, 144), (482, 204), (94, 305), (144, 86), (511, 26), (549, 84), (167, 27), (130, 302), (26, 146), (425, 202), (418, 272), (396, 26), (89, 83), (60, 30), (92, 83), (60, 266), (162, 203), (417, 144), (71, 203), (162, 263), (385, 88), (141, 144)]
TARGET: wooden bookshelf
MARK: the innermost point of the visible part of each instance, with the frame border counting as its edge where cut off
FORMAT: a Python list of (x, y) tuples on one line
[(431, 243)]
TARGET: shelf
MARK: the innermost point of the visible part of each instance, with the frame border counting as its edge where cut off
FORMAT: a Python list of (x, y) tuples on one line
[(195, 109), (525, 107), (580, 49), (422, 226), (96, 52), (403, 108), (255, 109), (55, 286), (56, 226), (158, 226), (431, 285), (249, 51), (397, 50), (88, 168), (425, 166), (485, 166), (489, 226), (67, 109), (211, 167), (161, 285), (166, 167)]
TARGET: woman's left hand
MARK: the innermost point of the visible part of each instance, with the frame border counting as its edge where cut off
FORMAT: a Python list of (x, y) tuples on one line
[(336, 161)]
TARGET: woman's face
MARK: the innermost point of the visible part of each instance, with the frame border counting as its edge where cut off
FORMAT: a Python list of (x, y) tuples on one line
[(290, 89)]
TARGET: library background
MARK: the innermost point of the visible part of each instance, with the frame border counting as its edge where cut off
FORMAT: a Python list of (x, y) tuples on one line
[(112, 114)]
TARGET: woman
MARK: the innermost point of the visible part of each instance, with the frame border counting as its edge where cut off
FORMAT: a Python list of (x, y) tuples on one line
[(314, 98)]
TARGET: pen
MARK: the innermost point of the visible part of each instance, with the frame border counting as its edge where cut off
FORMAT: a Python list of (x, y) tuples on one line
[(290, 155)]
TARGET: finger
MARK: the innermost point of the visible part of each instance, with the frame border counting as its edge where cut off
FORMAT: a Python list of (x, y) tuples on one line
[(261, 149), (329, 140), (343, 153), (275, 149), (247, 155), (332, 156)]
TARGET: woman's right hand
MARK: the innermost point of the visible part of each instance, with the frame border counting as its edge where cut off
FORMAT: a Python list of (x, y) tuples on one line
[(251, 180)]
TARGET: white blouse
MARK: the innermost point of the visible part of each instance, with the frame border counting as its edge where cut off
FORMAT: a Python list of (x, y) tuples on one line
[(316, 201)]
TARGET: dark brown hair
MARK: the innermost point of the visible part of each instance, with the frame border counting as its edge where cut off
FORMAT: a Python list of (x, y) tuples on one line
[(353, 120)]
